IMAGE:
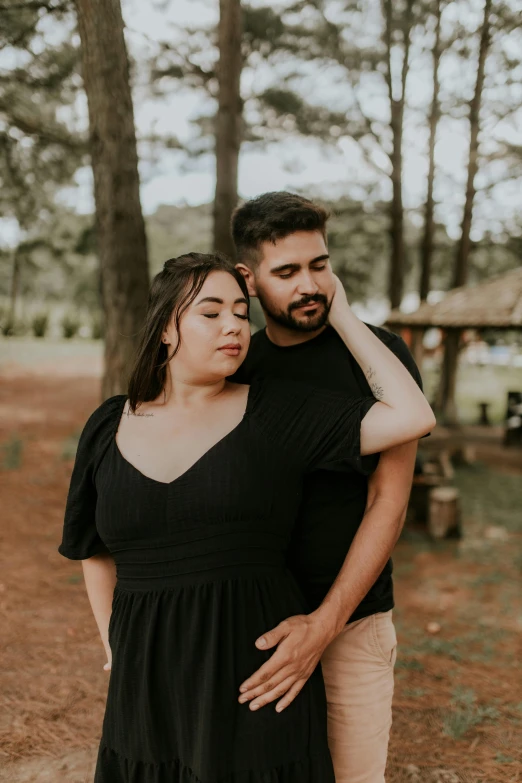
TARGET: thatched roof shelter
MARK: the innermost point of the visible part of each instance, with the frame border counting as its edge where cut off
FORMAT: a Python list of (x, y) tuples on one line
[(495, 303)]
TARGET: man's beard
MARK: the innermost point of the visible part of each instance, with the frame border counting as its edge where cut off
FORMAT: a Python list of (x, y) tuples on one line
[(309, 323)]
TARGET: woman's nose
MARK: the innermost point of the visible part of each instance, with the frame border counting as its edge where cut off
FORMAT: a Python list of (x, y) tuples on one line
[(232, 325)]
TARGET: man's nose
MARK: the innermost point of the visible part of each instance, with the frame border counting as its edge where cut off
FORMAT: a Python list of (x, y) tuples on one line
[(306, 284)]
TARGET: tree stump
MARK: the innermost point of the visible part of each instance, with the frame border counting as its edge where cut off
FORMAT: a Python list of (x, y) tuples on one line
[(484, 420), (444, 513)]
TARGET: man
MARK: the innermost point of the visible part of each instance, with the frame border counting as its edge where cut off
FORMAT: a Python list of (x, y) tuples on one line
[(348, 526)]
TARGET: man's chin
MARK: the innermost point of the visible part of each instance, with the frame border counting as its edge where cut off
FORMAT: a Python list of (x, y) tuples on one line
[(305, 323)]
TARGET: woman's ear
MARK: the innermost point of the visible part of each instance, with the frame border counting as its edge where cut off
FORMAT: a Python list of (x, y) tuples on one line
[(249, 278)]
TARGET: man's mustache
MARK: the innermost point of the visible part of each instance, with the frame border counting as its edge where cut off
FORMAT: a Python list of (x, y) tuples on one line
[(306, 300)]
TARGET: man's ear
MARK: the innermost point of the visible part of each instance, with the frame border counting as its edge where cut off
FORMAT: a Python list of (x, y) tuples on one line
[(249, 278)]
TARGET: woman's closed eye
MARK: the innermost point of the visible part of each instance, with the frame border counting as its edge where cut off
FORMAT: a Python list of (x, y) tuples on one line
[(215, 315)]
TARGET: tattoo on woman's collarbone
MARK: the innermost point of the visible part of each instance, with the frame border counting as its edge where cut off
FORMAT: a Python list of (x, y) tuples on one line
[(142, 415)]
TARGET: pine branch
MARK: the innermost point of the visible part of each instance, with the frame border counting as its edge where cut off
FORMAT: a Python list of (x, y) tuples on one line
[(37, 5)]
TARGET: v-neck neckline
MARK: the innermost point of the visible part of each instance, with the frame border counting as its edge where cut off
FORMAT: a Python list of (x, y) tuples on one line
[(248, 407)]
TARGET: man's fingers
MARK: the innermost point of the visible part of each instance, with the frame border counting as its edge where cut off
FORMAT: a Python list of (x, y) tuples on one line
[(267, 685), (291, 694), (265, 672), (273, 694), (273, 637)]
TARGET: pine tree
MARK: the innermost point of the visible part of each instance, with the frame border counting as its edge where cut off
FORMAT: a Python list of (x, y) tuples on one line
[(228, 120), (121, 237)]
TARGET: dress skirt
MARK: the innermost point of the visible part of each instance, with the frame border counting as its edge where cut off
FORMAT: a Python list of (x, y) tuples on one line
[(182, 647)]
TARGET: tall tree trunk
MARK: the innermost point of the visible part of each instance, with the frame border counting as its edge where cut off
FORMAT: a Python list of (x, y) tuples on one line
[(429, 222), (228, 123), (122, 244), (397, 104), (15, 285), (396, 270), (429, 208), (460, 272)]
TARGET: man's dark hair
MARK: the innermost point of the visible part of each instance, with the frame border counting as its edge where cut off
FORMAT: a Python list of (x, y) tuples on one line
[(273, 216)]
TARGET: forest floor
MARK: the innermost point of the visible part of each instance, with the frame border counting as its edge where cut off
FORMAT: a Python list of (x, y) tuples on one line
[(458, 696)]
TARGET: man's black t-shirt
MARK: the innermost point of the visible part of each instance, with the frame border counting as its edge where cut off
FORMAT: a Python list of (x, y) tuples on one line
[(333, 503)]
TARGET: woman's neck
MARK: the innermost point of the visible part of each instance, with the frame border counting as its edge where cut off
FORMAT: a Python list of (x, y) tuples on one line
[(182, 392)]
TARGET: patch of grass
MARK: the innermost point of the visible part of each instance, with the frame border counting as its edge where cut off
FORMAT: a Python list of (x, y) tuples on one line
[(501, 758), (494, 578), (414, 693), (435, 645), (477, 384), (490, 498), (477, 646), (466, 713), (412, 664), (12, 452), (70, 446)]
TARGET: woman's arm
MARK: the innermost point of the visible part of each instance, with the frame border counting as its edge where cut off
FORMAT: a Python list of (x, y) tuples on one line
[(402, 413), (100, 579)]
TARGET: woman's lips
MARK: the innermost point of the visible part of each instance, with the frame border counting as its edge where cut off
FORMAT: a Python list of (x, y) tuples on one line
[(234, 349)]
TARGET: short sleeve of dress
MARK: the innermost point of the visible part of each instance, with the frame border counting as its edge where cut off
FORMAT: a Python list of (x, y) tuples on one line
[(80, 538), (323, 427)]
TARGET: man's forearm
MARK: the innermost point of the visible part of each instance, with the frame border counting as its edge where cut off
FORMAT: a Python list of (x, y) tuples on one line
[(368, 554), (388, 495)]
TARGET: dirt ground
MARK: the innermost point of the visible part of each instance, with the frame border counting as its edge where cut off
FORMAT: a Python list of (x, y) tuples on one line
[(458, 699)]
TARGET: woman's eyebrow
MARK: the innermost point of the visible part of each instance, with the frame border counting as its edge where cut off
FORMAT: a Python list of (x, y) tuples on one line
[(217, 300)]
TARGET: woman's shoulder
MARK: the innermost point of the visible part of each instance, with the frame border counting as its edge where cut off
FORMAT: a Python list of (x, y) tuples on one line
[(104, 419)]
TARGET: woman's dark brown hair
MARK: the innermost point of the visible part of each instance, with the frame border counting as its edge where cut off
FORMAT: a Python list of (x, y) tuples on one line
[(171, 293)]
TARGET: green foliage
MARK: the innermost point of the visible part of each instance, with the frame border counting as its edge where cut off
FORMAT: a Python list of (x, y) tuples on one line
[(12, 452), (39, 324), (97, 327), (70, 446), (70, 325), (13, 327)]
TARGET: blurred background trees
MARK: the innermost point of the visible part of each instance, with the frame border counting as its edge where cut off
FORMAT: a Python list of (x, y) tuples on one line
[(391, 94)]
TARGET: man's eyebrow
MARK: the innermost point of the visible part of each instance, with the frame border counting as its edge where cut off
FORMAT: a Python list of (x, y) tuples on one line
[(294, 266), (217, 300)]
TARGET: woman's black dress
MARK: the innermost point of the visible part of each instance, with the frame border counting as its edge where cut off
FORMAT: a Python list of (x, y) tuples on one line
[(200, 576)]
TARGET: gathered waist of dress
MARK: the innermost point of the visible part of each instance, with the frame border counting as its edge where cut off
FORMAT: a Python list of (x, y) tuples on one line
[(211, 558)]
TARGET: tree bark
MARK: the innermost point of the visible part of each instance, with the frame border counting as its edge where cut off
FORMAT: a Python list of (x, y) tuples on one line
[(15, 285), (396, 269), (228, 123), (122, 244), (460, 273), (445, 401), (446, 395), (429, 222)]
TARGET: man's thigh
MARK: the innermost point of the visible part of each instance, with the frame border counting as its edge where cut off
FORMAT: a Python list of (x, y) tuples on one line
[(358, 674)]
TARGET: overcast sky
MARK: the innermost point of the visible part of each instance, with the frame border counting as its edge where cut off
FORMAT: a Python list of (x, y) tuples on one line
[(295, 164)]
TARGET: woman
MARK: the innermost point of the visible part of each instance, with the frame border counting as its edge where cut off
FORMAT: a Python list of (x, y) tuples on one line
[(189, 488)]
